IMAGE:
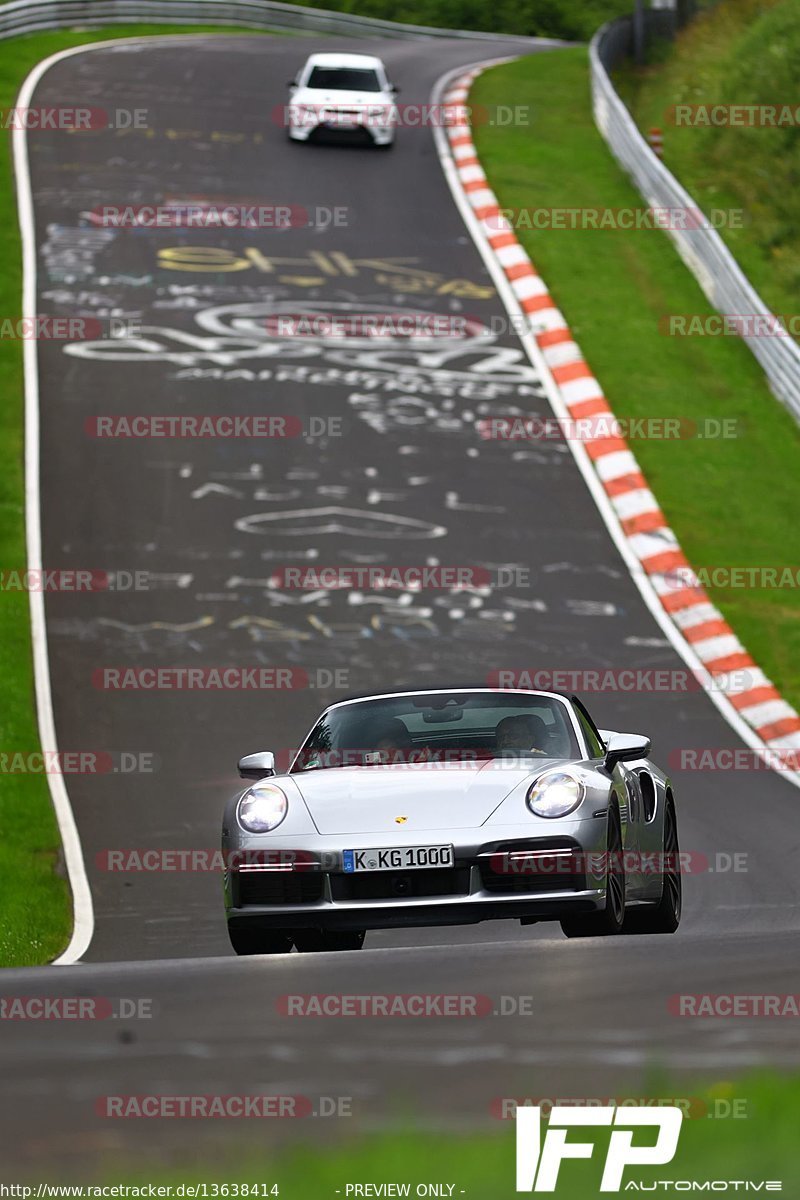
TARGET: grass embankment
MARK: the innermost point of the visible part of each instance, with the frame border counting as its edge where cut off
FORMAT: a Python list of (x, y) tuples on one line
[(744, 52), (35, 909), (760, 1144), (731, 502)]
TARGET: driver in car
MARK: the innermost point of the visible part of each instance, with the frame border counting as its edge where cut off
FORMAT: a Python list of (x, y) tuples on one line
[(523, 734), (391, 743)]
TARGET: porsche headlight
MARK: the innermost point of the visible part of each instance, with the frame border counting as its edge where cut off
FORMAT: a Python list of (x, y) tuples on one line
[(555, 794), (261, 808)]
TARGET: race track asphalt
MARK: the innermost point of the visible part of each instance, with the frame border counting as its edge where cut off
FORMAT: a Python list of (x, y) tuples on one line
[(400, 477)]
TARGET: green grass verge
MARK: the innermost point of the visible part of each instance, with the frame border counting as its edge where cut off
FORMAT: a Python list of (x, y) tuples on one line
[(731, 502), (759, 1145), (739, 52), (35, 909)]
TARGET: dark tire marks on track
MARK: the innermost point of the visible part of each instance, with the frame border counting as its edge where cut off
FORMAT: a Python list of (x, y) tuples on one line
[(408, 449)]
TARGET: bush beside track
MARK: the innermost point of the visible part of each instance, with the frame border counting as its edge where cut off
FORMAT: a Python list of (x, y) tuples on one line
[(740, 52), (731, 502), (573, 20), (35, 905)]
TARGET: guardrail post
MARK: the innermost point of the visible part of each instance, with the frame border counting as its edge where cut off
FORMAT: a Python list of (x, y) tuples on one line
[(638, 33)]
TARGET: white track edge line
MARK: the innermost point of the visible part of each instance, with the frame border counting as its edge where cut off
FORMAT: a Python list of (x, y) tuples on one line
[(82, 906)]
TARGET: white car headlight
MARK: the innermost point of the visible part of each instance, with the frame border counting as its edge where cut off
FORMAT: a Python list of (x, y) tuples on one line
[(261, 808), (555, 794)]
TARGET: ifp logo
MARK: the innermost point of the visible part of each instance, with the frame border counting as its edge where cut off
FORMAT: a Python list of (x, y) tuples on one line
[(538, 1161)]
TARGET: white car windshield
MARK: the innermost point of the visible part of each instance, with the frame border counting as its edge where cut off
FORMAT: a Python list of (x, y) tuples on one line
[(344, 79), (440, 727)]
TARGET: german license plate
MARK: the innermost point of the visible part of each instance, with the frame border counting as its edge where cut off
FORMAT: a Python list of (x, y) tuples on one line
[(397, 858)]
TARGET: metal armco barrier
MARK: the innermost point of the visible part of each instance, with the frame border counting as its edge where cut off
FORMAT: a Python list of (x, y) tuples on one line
[(703, 250)]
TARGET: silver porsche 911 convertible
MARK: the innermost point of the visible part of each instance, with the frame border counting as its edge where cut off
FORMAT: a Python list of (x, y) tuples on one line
[(447, 808)]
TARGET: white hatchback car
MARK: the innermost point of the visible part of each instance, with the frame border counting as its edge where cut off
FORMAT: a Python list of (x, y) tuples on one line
[(343, 93)]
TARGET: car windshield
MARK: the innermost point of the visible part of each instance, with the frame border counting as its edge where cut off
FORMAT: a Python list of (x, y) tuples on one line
[(344, 79), (440, 727)]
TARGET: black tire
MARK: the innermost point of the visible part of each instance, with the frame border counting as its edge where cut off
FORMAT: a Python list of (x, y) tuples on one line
[(665, 916), (607, 921), (259, 941), (310, 941)]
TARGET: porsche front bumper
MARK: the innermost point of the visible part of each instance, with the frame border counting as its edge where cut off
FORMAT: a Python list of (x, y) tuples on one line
[(523, 877)]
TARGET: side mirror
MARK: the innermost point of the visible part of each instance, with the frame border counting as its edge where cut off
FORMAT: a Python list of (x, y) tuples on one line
[(257, 766), (292, 83), (606, 735), (394, 89), (623, 747)]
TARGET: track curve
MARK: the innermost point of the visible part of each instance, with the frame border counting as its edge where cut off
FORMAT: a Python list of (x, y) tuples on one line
[(408, 463)]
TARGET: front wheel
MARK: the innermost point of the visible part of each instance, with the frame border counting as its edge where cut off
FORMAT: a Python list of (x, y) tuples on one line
[(608, 920), (259, 941), (313, 940), (664, 917)]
